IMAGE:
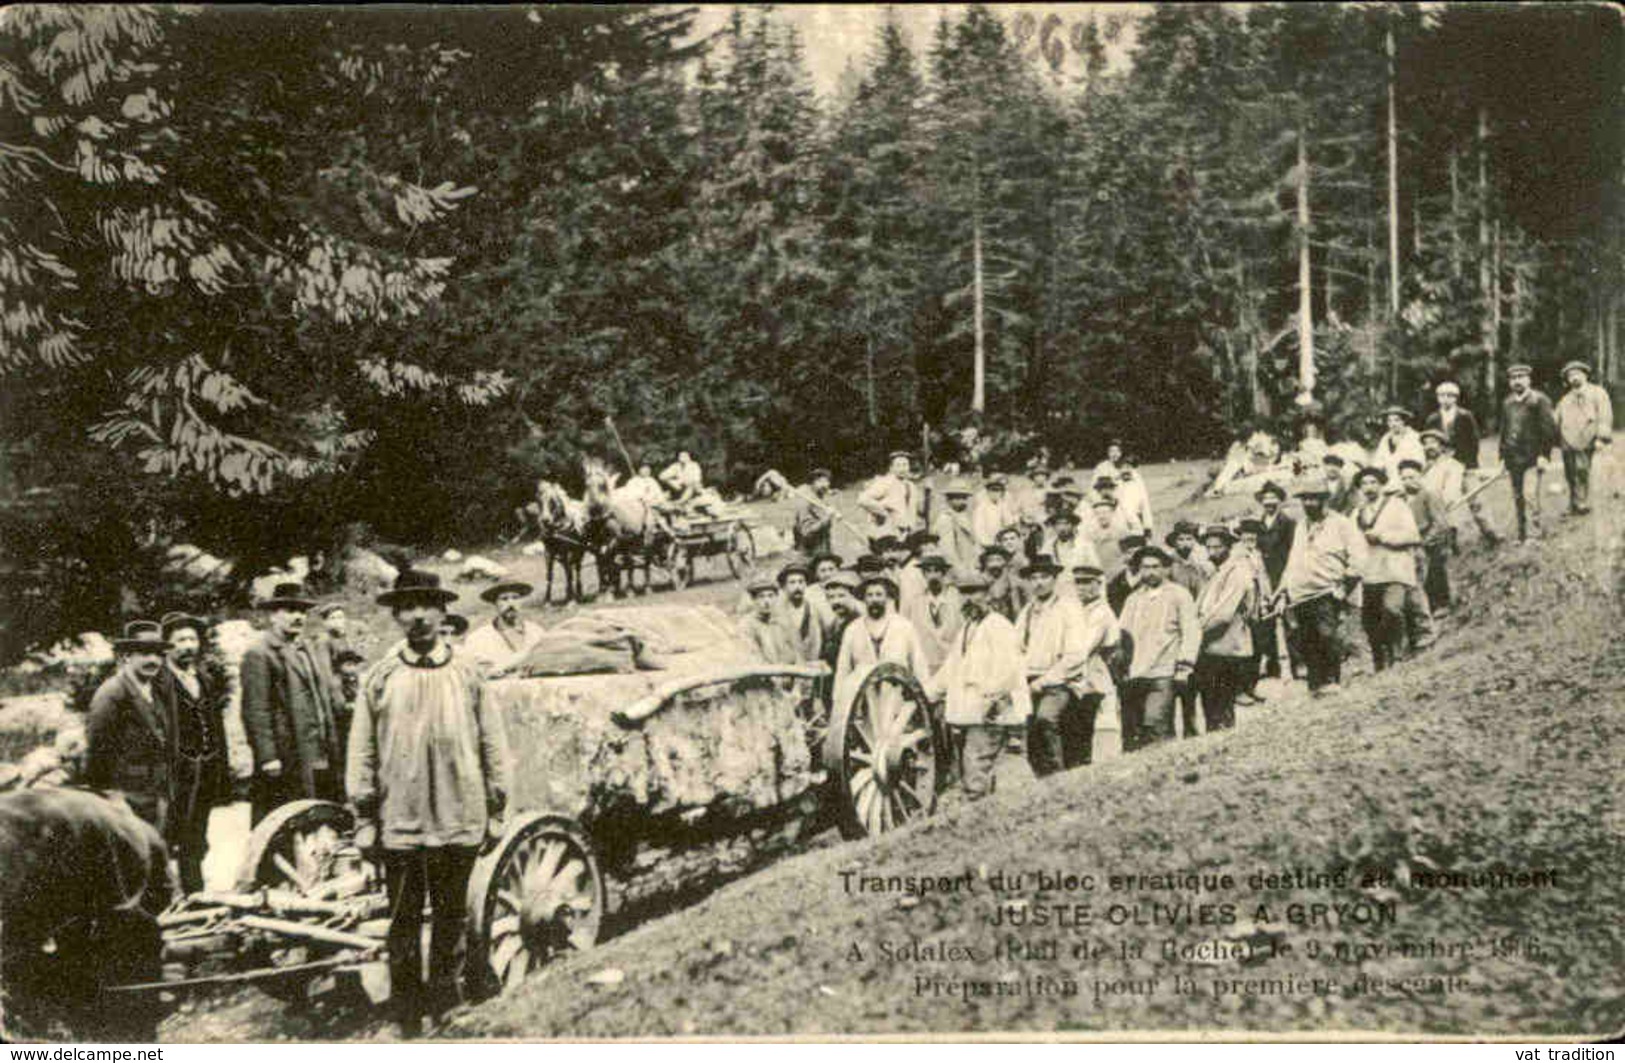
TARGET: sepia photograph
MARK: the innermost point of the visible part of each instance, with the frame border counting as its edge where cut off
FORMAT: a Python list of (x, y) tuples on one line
[(1035, 522)]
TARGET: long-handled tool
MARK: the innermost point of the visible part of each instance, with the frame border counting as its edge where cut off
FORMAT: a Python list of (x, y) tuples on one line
[(1475, 492), (779, 481), (609, 422)]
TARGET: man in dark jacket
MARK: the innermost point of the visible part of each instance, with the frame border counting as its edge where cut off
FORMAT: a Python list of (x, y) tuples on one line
[(291, 727), (1274, 545), (200, 772), (1528, 436), (127, 734)]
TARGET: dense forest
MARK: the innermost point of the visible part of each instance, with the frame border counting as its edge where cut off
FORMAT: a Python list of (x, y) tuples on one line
[(269, 276)]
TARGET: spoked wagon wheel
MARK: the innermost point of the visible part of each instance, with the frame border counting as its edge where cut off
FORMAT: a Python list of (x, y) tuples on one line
[(741, 551), (535, 896), (881, 754), (296, 848)]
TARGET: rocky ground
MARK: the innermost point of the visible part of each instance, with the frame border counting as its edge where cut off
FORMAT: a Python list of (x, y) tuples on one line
[(1497, 751)]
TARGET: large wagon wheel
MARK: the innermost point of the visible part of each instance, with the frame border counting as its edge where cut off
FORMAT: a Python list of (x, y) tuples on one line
[(741, 551), (535, 896), (881, 754), (296, 847)]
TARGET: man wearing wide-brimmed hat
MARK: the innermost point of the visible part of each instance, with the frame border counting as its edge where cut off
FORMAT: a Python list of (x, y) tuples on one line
[(956, 528), (498, 647), (982, 687), (892, 500), (1067, 548), (1007, 594), (1528, 436), (429, 774), (287, 715), (1191, 568), (934, 612), (200, 773), (1585, 421), (128, 736), (1399, 443), (1159, 624), (1322, 573), (1225, 666)]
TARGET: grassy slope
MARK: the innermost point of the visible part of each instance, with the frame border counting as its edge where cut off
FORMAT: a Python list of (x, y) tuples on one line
[(1500, 748)]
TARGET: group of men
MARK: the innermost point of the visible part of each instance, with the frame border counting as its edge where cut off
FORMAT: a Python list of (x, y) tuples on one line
[(1034, 609), (413, 744)]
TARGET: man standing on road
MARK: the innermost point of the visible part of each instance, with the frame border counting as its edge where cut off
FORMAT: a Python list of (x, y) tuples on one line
[(1053, 636), (1389, 572), (1459, 430), (429, 775), (814, 522), (892, 501), (1322, 571), (1159, 620), (982, 683), (1585, 421), (764, 627), (498, 647), (291, 728), (200, 773), (956, 529), (1225, 667), (1528, 435), (935, 613), (128, 736), (1274, 544), (879, 636)]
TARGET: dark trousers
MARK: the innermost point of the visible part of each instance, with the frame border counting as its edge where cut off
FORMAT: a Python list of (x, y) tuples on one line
[(1525, 503), (1061, 733), (189, 843), (1436, 583), (441, 873), (979, 749), (1577, 471), (1186, 696), (1148, 712), (1383, 617), (1220, 679), (1319, 623)]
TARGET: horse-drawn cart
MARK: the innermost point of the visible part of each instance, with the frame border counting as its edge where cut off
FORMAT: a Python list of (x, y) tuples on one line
[(725, 536), (631, 792)]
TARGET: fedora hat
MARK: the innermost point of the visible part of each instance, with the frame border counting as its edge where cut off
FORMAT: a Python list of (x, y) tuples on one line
[(870, 563), (1130, 542), (993, 551), (512, 586), (869, 579), (1434, 433), (1366, 472), (1149, 551), (971, 582), (1270, 487), (1254, 525), (1218, 531), (414, 586), (935, 560), (170, 621), (1398, 411), (1041, 563), (457, 622), (141, 636), (286, 596)]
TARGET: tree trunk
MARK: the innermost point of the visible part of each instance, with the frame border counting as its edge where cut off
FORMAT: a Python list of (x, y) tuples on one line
[(1486, 291), (1515, 339), (1393, 184), (1455, 217), (979, 390), (1306, 321)]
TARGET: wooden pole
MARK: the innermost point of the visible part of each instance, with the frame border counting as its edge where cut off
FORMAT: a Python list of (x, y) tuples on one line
[(1393, 183), (979, 389)]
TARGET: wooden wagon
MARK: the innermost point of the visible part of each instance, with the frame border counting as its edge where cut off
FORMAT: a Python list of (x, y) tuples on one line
[(632, 792), (728, 537)]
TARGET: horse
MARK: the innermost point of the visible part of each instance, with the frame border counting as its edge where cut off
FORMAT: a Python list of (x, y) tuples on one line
[(622, 528), (560, 524)]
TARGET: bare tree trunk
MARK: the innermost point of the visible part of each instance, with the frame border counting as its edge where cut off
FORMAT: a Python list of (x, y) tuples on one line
[(1486, 290), (1393, 183), (1495, 287), (1416, 230), (979, 390), (1455, 217), (1515, 339), (869, 376), (1306, 321)]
